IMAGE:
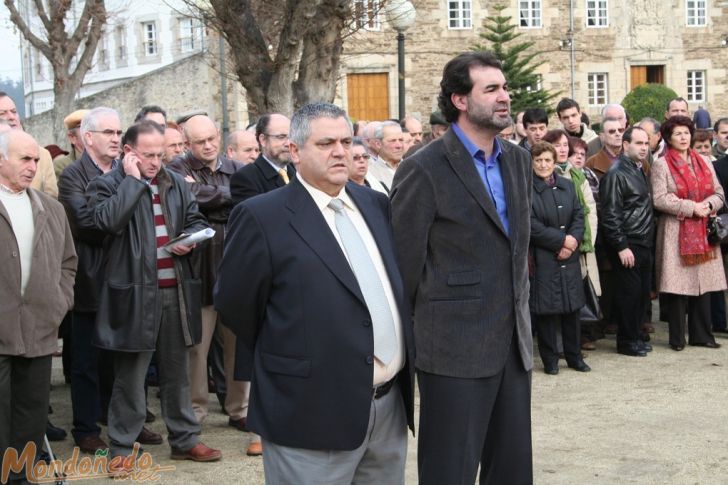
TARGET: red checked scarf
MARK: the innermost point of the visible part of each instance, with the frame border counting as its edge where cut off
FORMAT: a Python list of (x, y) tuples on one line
[(695, 185)]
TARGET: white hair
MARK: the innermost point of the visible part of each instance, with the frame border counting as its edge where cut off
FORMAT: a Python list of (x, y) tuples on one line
[(90, 121)]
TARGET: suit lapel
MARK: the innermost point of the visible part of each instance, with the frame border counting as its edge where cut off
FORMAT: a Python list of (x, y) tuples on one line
[(309, 223), (462, 164), (272, 177), (378, 226), (40, 217), (511, 183)]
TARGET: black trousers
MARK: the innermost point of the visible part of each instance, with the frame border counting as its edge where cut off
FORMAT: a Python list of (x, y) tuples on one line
[(631, 294), (24, 393), (697, 309), (466, 422), (547, 326)]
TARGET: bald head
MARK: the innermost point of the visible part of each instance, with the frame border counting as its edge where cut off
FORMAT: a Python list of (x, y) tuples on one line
[(242, 146), (203, 139), (19, 155)]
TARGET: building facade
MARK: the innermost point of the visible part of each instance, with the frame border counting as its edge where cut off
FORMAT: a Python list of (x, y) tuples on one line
[(140, 37), (595, 51)]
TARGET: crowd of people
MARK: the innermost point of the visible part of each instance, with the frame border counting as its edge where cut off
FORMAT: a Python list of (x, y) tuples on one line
[(344, 259)]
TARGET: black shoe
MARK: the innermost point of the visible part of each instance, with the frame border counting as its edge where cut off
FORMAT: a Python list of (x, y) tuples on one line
[(720, 330), (677, 348), (633, 350), (580, 366), (709, 345), (150, 417), (54, 433), (645, 346), (551, 370), (645, 337)]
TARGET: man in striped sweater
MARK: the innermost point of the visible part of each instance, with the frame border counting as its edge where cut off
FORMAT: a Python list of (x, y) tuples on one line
[(150, 300)]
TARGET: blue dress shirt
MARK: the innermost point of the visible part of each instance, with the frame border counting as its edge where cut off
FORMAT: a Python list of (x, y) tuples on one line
[(489, 171)]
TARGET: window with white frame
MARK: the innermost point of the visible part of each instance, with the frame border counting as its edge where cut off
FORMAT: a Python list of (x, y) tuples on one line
[(529, 13), (696, 86), (695, 14), (366, 14), (597, 88), (102, 52), (120, 41), (190, 34), (596, 13), (149, 33), (459, 14)]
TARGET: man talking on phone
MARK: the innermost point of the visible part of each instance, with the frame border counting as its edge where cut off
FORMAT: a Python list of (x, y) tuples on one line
[(150, 300)]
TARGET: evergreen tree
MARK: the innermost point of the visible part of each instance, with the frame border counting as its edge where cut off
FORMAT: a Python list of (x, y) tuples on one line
[(519, 67)]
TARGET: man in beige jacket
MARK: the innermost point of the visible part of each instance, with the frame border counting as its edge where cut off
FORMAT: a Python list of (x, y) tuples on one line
[(36, 290)]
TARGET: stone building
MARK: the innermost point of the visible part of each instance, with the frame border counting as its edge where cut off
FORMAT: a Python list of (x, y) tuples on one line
[(596, 51)]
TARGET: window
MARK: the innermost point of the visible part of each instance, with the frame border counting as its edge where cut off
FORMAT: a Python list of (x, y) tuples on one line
[(695, 15), (120, 40), (596, 13), (458, 12), (102, 52), (149, 33), (696, 86), (598, 88), (189, 35), (529, 11), (366, 14)]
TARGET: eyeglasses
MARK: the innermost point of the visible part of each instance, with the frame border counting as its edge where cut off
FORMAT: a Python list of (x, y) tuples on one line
[(108, 132), (279, 137), (615, 130), (366, 156)]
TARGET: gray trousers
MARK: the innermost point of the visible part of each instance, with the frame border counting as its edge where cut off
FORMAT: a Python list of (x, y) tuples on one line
[(128, 408), (24, 393), (379, 460)]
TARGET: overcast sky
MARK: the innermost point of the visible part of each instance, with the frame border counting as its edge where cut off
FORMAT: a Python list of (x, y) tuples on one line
[(9, 48)]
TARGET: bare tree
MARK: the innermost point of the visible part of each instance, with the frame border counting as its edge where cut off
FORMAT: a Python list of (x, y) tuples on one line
[(68, 48), (286, 53)]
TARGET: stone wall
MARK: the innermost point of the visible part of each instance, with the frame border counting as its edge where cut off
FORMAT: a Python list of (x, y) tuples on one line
[(643, 32), (191, 83)]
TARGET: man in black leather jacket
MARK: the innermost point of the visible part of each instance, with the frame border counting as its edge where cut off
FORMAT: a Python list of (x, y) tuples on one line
[(149, 299), (627, 225)]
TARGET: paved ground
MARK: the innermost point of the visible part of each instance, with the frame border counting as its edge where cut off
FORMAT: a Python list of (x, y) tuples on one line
[(662, 419)]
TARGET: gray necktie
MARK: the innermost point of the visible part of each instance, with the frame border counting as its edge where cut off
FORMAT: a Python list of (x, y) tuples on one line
[(385, 340)]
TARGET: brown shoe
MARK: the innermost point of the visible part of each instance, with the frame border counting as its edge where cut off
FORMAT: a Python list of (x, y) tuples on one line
[(254, 449), (586, 345), (199, 452), (648, 328), (610, 329), (149, 437), (91, 444), (239, 424)]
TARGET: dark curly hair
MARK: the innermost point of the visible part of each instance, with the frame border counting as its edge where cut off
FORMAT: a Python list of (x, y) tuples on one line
[(456, 79), (670, 124)]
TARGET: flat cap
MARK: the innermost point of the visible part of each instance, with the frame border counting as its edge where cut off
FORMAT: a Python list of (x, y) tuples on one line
[(436, 118), (189, 114), (74, 119)]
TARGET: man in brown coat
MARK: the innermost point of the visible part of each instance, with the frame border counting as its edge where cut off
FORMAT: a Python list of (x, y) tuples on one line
[(36, 291)]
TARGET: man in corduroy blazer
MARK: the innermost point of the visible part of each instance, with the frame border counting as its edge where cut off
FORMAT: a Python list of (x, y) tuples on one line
[(461, 216)]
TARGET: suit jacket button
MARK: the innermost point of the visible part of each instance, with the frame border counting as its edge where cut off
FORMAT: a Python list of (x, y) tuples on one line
[(370, 359), (15, 254), (367, 323)]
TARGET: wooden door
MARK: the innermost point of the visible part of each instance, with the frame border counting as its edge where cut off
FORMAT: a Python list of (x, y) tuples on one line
[(368, 96), (638, 76)]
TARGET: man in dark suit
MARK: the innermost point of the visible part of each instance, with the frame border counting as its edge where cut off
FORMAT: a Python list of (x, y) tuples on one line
[(310, 281), (461, 216), (272, 168)]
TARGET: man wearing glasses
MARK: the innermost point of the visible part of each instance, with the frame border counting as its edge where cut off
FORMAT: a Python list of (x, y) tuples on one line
[(100, 132), (149, 300), (611, 137), (272, 168)]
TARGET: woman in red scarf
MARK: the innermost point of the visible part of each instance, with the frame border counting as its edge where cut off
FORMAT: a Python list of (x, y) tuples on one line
[(686, 191)]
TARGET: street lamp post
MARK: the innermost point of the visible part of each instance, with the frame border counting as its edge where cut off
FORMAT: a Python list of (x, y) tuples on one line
[(401, 14)]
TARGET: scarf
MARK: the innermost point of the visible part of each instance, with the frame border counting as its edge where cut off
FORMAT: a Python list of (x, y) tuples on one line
[(695, 185), (578, 178)]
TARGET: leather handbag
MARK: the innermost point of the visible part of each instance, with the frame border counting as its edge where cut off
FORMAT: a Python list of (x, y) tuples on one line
[(591, 311), (718, 229)]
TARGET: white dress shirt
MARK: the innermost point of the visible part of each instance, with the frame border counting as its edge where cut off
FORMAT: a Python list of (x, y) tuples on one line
[(382, 372)]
